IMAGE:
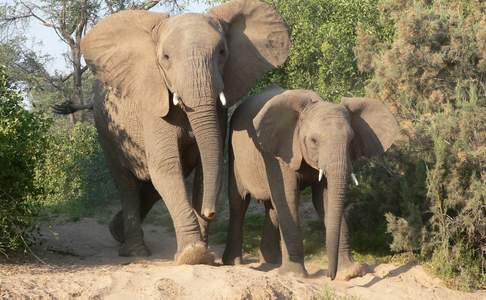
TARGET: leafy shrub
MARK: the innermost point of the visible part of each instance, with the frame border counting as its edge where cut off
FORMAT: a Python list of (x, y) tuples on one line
[(323, 34), (22, 140), (433, 76), (74, 176)]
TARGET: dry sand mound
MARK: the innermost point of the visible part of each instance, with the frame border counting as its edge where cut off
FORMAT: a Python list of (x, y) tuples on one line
[(82, 262)]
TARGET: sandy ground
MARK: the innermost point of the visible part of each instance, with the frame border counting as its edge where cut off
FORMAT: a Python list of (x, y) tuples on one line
[(81, 261)]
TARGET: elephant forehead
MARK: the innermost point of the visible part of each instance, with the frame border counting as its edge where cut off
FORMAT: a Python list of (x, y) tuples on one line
[(190, 31), (325, 110), (194, 22)]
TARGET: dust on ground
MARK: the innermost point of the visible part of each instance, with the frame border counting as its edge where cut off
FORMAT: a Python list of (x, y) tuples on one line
[(79, 260)]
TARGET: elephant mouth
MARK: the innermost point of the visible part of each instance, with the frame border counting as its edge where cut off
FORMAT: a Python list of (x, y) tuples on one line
[(322, 173), (178, 101)]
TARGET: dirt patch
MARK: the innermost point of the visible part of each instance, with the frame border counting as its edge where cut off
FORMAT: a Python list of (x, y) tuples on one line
[(81, 261)]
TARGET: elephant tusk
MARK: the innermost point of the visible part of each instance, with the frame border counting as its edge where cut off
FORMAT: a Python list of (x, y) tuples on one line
[(222, 98), (355, 180), (175, 99), (321, 172)]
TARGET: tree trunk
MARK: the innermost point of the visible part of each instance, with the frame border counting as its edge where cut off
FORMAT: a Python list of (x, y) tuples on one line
[(77, 96)]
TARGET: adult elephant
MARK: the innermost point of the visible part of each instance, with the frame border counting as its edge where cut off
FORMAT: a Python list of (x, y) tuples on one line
[(159, 115)]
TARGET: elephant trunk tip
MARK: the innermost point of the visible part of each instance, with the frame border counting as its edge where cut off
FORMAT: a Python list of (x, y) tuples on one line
[(208, 214)]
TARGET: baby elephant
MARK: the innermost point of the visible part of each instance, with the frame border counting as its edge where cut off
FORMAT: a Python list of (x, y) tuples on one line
[(285, 140)]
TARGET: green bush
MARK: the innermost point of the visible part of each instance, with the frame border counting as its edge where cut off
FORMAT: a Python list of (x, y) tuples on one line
[(323, 34), (42, 172), (74, 176), (22, 140), (432, 73)]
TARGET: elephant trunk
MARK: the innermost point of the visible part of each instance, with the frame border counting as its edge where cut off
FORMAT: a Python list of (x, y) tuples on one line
[(199, 85), (336, 172), (205, 125)]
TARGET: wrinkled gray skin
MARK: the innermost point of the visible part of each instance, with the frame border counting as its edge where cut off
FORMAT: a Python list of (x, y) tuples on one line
[(153, 142), (279, 141)]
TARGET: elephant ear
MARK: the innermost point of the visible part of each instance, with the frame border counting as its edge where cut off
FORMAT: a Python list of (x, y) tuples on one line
[(276, 125), (258, 41), (374, 125), (122, 54)]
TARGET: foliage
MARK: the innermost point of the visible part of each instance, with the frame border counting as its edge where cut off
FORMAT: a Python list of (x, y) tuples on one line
[(22, 139), (27, 71), (43, 169), (74, 177), (433, 76), (323, 34)]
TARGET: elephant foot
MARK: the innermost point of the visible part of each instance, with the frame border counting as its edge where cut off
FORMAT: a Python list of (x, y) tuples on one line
[(293, 269), (134, 250), (116, 228), (231, 259), (348, 269), (194, 254), (270, 256)]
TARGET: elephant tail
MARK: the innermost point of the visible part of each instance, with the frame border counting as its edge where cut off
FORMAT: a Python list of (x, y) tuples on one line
[(68, 107)]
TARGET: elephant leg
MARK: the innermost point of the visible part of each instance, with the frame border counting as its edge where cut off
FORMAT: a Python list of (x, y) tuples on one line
[(347, 267), (190, 247), (116, 227), (148, 197), (270, 251), (318, 190), (133, 244), (285, 193), (233, 253), (166, 172)]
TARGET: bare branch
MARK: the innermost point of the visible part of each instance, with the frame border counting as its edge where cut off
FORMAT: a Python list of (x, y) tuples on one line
[(84, 69), (33, 14), (16, 18), (146, 5), (43, 72), (176, 4), (50, 80), (81, 21), (150, 4)]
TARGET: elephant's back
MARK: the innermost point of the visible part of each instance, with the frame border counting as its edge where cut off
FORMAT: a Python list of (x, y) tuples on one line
[(120, 131), (243, 115)]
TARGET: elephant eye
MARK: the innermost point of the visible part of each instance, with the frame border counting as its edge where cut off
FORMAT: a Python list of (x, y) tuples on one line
[(313, 140), (166, 57), (222, 52)]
